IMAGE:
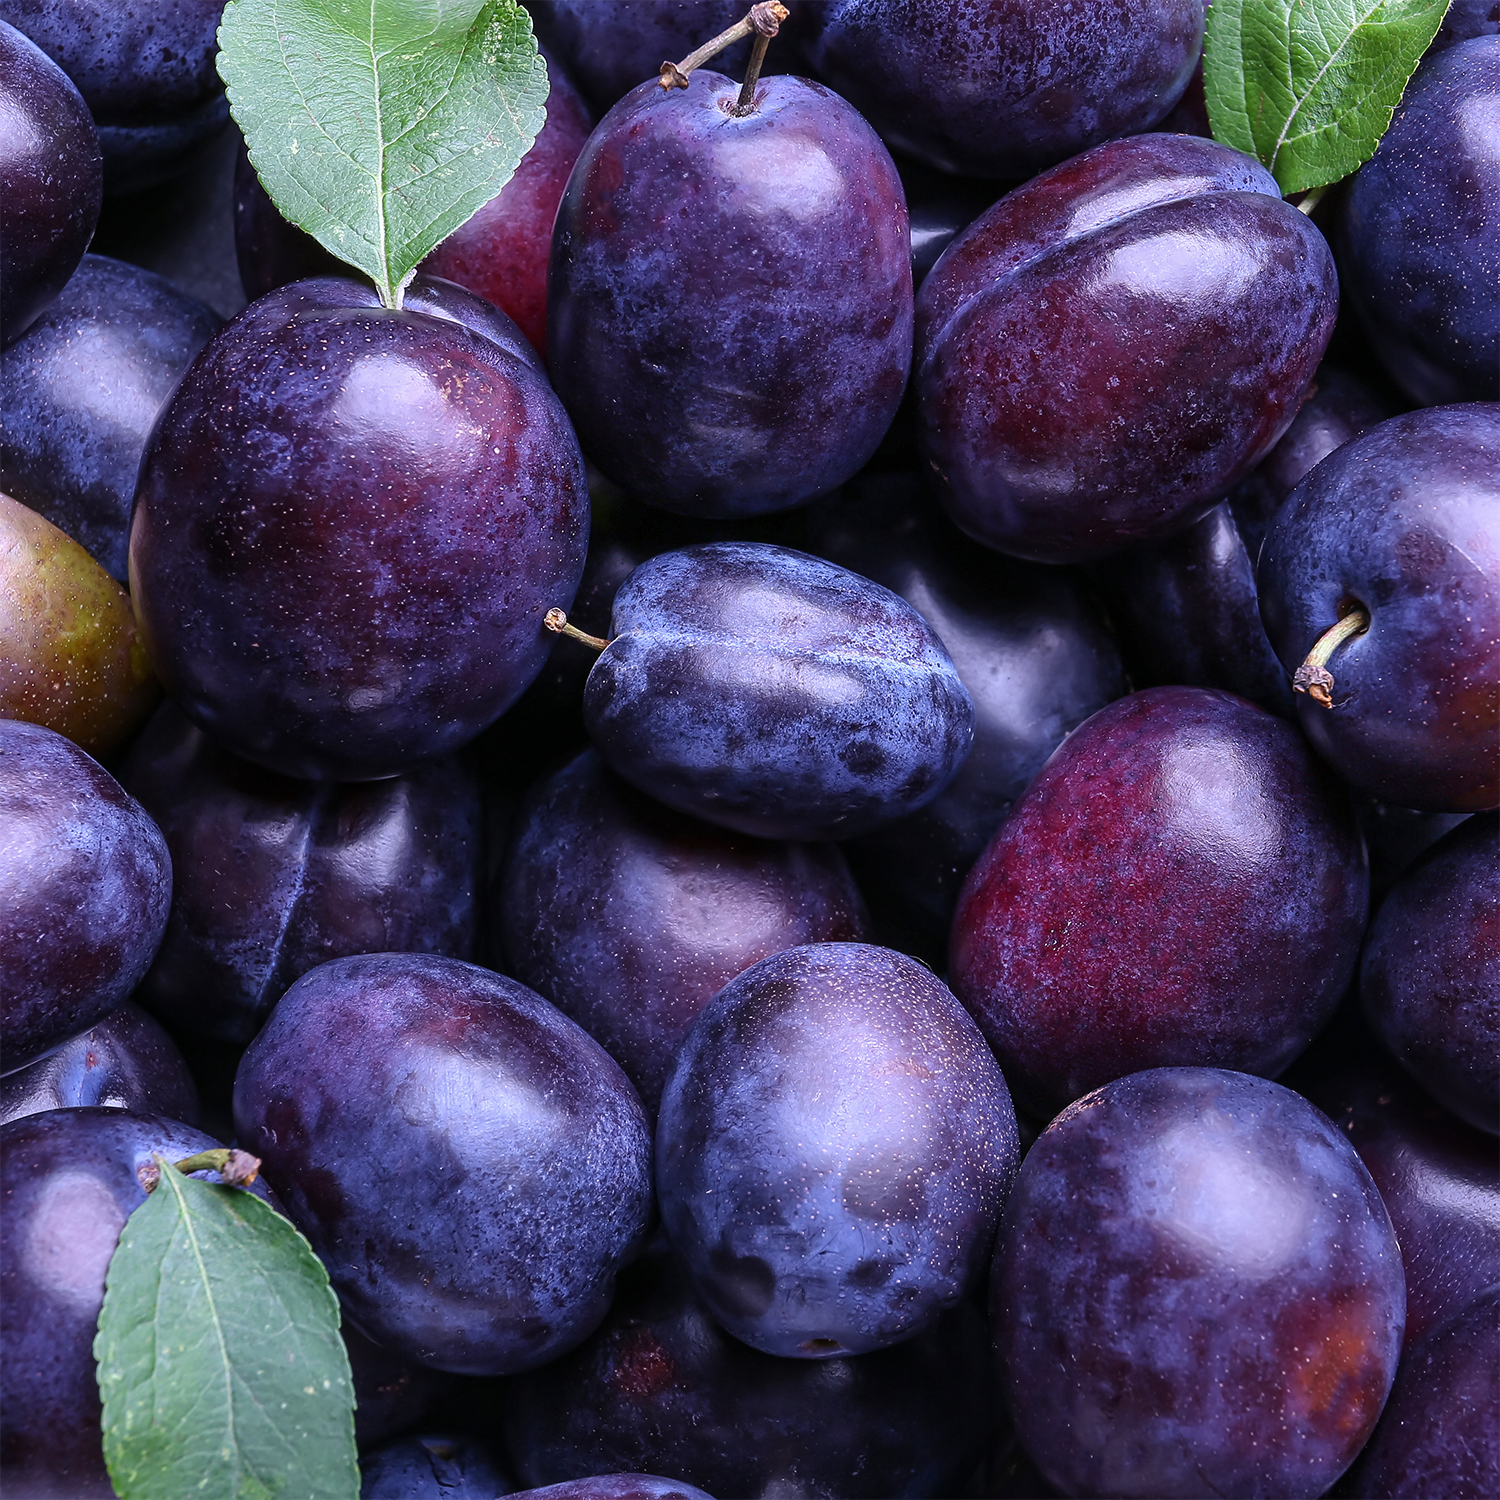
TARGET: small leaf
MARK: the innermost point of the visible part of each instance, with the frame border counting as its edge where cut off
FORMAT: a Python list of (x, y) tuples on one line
[(1309, 86), (221, 1368), (380, 126)]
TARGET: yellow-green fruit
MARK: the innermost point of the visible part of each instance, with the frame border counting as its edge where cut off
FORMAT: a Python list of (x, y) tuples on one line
[(70, 655)]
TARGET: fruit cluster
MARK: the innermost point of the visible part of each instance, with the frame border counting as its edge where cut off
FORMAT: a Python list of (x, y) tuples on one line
[(742, 796)]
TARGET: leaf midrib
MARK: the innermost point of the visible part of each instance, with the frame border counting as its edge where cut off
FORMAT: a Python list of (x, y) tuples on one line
[(1281, 139)]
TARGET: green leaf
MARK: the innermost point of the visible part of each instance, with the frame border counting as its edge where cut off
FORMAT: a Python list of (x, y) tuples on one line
[(1309, 86), (380, 126), (221, 1368)]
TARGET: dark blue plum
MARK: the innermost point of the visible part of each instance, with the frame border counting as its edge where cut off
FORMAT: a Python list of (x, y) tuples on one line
[(1107, 350), (662, 1389), (1397, 837), (85, 886), (391, 1394), (1430, 977), (1419, 240), (431, 1468), (147, 71), (1401, 522), (1197, 1290), (1004, 88), (834, 1148), (1183, 884), (1439, 1438), (126, 1061), (81, 391), (68, 1182), (630, 917), (349, 524), (50, 181), (1029, 644), (1439, 1178), (729, 299), (272, 877), (470, 1165), (775, 693), (1187, 606), (616, 1487), (1465, 19), (940, 210)]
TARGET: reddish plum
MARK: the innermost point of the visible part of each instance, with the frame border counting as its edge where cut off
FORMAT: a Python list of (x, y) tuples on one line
[(470, 1165), (1197, 1290), (834, 1148), (1184, 883), (1108, 349), (630, 917), (349, 524), (729, 297)]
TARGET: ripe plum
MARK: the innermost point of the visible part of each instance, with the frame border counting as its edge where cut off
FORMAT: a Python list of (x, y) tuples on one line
[(272, 877), (85, 885), (775, 694), (1108, 349), (1024, 83), (834, 1148), (661, 1388), (630, 917), (729, 296), (349, 524), (1404, 524), (1183, 883), (81, 391), (1196, 1290), (470, 1165)]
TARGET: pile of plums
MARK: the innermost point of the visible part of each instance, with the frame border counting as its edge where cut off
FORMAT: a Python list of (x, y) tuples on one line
[(830, 814)]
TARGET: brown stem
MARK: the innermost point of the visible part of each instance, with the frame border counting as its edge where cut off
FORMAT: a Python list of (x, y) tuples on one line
[(1313, 676), (236, 1168), (746, 102), (764, 20), (557, 622)]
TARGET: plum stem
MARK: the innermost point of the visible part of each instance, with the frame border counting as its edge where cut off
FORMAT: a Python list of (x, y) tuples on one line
[(557, 622), (1309, 201), (1313, 676), (237, 1168), (764, 20)]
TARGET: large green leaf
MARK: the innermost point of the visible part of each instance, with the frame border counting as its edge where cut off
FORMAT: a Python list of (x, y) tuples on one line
[(380, 126), (221, 1368), (1309, 86)]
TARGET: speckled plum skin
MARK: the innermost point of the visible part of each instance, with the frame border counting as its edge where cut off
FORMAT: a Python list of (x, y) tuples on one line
[(1405, 521), (349, 524), (630, 917), (470, 1165), (1439, 1438), (81, 391), (1196, 1290), (729, 300), (1187, 606), (146, 70), (50, 178), (125, 1061), (85, 885), (833, 1151), (1419, 238), (1438, 1178), (616, 1487), (273, 877), (1183, 884), (1108, 349), (661, 1388), (1029, 644), (1430, 976), (775, 693), (67, 1184), (1005, 88)]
